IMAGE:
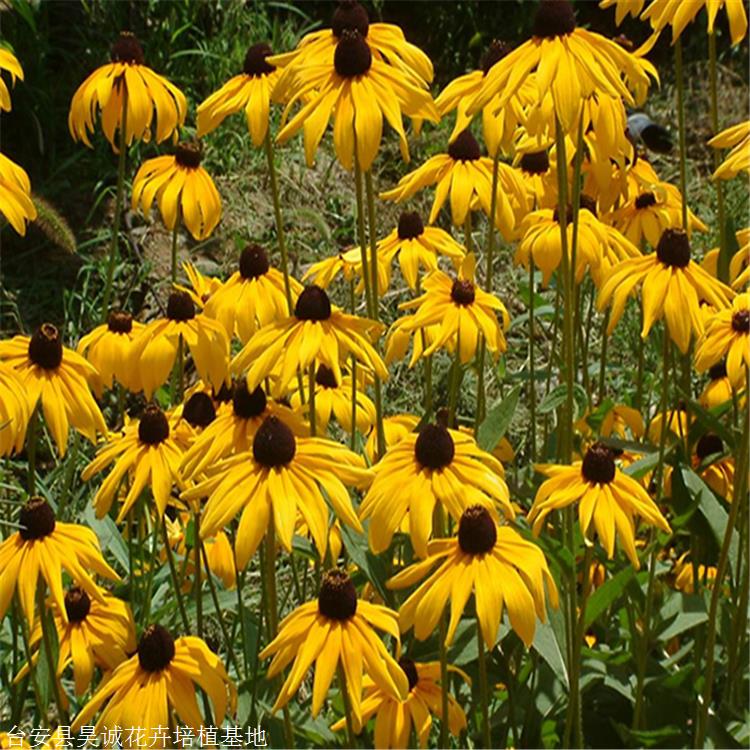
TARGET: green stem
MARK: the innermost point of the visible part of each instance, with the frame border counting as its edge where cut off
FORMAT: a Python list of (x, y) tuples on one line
[(113, 253), (681, 124), (311, 398), (51, 667), (738, 499), (40, 704), (175, 579), (532, 369), (454, 379), (713, 88), (280, 236), (491, 229), (353, 438), (31, 438), (174, 251), (440, 533), (483, 690), (197, 589), (603, 360), (347, 707), (361, 232)]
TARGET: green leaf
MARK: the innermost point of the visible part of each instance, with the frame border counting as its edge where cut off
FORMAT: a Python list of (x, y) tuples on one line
[(109, 536), (552, 400), (546, 644), (710, 421), (497, 421), (372, 566), (606, 595)]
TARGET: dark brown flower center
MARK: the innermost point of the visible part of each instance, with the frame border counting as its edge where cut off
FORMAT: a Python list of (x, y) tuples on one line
[(274, 443), (352, 57), (599, 464), (535, 163), (495, 52), (127, 49), (199, 410), (350, 16), (465, 147), (77, 604), (255, 60), (718, 371), (410, 225), (225, 394), (337, 599), (120, 322), (587, 202), (568, 214), (189, 154), (180, 306), (462, 292), (247, 405), (45, 347), (409, 668), (156, 649), (708, 445), (477, 532), (36, 520), (553, 18), (741, 321), (253, 262), (644, 200), (434, 447), (153, 427), (324, 376), (313, 304), (673, 248)]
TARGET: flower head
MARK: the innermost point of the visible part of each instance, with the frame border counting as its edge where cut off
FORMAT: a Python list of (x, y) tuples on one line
[(14, 411), (663, 13), (16, 204), (736, 137), (9, 62)]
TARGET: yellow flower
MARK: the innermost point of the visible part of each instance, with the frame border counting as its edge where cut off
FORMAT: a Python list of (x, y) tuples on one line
[(182, 188), (97, 633), (678, 422), (201, 287), (221, 559), (539, 173), (739, 263), (719, 388), (109, 348), (349, 264), (156, 347), (147, 454), (317, 331), (14, 411), (736, 137), (282, 475), (466, 176), (727, 335), (357, 89), (684, 574), (494, 562), (621, 418), (44, 547), (608, 497), (16, 204), (334, 398), (395, 428), (623, 8), (8, 62), (570, 64), (158, 680), (336, 629), (152, 103), (252, 297), (58, 377), (250, 90), (462, 311), (436, 465), (396, 718), (663, 13), (672, 287), (718, 473)]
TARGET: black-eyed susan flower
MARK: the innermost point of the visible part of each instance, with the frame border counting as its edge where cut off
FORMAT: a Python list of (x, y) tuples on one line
[(663, 13), (337, 628), (718, 390), (623, 8), (606, 496), (161, 678), (281, 476), (157, 346), (621, 419), (97, 633), (418, 246), (540, 176), (44, 547), (357, 90), (436, 465), (727, 335), (395, 719), (146, 454), (570, 64), (333, 398), (60, 379), (250, 90), (182, 189), (155, 107), (14, 411), (252, 297), (201, 286), (736, 137), (349, 264), (714, 466), (684, 573), (8, 62), (678, 422), (493, 562), (317, 331), (465, 176), (15, 195), (395, 428), (220, 558), (739, 263), (463, 312), (672, 286), (109, 348), (400, 335)]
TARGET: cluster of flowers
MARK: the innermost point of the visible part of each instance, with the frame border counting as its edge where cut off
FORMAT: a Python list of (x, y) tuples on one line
[(246, 440)]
